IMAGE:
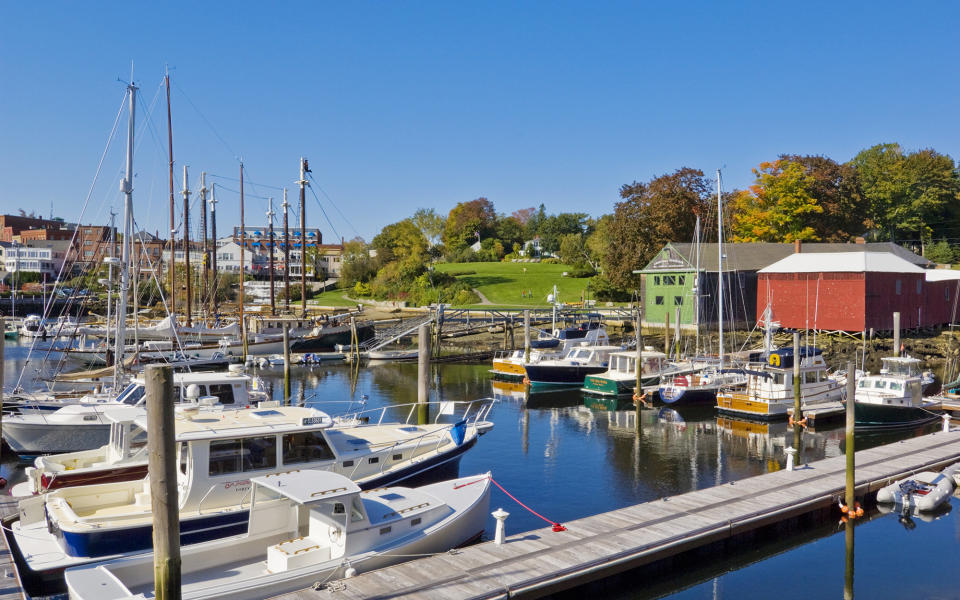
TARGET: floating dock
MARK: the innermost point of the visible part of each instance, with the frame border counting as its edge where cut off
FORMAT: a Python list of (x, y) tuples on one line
[(10, 588), (541, 562)]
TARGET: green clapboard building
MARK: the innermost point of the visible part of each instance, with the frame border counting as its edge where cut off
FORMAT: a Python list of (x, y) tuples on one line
[(672, 280)]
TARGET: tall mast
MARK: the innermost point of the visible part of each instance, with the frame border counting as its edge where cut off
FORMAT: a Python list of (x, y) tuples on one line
[(286, 255), (720, 265), (173, 263), (270, 213), (213, 234), (206, 248), (186, 241), (696, 287), (243, 249), (127, 187), (304, 169), (113, 253)]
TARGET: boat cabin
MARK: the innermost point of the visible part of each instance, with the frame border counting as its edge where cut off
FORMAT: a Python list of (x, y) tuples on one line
[(899, 383), (234, 389), (626, 362)]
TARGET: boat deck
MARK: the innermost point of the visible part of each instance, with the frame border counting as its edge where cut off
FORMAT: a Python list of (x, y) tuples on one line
[(540, 562)]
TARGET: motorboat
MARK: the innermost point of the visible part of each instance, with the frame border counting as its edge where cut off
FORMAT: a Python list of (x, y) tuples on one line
[(33, 327), (510, 364), (700, 386), (85, 425), (893, 397), (925, 491), (306, 526), (621, 376), (577, 363), (219, 452), (769, 387)]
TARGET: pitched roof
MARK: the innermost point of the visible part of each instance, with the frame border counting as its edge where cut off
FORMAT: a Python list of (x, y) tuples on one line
[(757, 255), (842, 262)]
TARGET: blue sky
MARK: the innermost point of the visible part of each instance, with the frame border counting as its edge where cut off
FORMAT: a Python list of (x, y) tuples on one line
[(400, 105)]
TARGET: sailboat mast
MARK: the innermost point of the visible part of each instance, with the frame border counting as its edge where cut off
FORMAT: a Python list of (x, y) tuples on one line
[(696, 288), (304, 169), (270, 213), (186, 242), (243, 250), (173, 233), (286, 255), (113, 253), (720, 265), (125, 252), (213, 256), (206, 248)]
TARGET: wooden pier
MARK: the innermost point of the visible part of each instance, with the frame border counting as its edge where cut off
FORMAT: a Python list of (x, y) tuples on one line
[(540, 562), (10, 588)]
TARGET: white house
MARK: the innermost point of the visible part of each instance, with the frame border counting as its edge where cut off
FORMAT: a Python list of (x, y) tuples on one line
[(41, 256), (228, 259)]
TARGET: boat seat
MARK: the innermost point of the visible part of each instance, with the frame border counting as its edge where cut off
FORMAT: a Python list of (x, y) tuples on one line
[(296, 553)]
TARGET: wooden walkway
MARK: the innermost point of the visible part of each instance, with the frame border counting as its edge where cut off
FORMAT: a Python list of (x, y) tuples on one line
[(540, 562), (10, 588)]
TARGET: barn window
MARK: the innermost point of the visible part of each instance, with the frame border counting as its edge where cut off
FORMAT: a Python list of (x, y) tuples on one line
[(899, 287), (919, 286), (658, 300), (678, 300), (681, 279), (946, 293), (656, 280), (669, 280)]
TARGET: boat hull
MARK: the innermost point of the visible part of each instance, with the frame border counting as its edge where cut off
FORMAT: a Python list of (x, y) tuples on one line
[(689, 395), (330, 338), (34, 438), (743, 405), (561, 375), (879, 416)]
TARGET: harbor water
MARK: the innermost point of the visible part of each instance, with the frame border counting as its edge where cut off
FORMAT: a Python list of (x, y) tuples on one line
[(568, 456)]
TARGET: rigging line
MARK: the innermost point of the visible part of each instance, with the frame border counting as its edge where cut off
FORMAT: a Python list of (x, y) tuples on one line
[(246, 180), (207, 121), (337, 208), (73, 238), (335, 232), (223, 187)]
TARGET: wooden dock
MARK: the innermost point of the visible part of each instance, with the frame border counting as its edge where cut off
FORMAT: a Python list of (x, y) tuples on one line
[(540, 562), (10, 588)]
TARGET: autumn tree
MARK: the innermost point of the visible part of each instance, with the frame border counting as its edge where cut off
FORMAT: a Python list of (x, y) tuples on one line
[(778, 207), (356, 263), (908, 192), (465, 221), (403, 243), (429, 223), (650, 215)]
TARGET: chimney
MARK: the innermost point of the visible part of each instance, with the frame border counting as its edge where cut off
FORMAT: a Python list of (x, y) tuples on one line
[(796, 246), (860, 240)]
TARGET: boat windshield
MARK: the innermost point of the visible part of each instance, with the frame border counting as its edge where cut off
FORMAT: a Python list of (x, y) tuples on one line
[(132, 395), (902, 367)]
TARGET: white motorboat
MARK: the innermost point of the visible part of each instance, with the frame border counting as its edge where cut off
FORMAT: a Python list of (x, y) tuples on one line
[(621, 376), (924, 491), (576, 364), (33, 327), (893, 397), (219, 452), (509, 364), (304, 527), (85, 425)]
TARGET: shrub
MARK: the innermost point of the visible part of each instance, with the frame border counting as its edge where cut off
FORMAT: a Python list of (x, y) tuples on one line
[(605, 291), (581, 271)]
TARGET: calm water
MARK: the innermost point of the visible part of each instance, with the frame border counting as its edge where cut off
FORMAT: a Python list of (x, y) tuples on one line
[(569, 457)]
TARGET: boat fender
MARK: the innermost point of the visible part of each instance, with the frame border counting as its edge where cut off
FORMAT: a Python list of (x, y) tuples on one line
[(349, 572)]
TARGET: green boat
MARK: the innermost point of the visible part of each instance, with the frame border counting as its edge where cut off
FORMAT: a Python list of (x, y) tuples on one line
[(621, 376)]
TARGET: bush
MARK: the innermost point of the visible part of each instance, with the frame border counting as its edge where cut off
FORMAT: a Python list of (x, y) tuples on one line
[(362, 289), (581, 271), (460, 273), (550, 261), (605, 291)]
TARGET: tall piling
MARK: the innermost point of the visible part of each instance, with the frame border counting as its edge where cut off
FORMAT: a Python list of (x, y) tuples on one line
[(423, 373), (848, 569), (896, 334), (526, 335), (162, 466), (638, 390), (286, 363), (676, 333), (797, 409), (851, 405), (666, 333)]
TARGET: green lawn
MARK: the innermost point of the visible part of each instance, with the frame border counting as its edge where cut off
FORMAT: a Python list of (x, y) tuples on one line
[(502, 283), (331, 298)]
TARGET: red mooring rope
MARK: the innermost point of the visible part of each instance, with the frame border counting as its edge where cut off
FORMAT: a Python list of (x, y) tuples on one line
[(556, 526)]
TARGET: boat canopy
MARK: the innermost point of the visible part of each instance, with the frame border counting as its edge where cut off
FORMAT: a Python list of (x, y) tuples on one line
[(308, 486)]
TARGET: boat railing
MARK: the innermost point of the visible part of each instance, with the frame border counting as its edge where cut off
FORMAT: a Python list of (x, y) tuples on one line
[(481, 407), (200, 504)]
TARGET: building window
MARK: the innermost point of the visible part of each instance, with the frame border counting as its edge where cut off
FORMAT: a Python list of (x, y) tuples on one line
[(946, 293), (682, 279), (899, 287), (669, 280), (919, 287), (678, 300), (656, 280), (658, 300)]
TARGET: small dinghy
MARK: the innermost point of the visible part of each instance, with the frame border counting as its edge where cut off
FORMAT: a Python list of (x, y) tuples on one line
[(924, 491)]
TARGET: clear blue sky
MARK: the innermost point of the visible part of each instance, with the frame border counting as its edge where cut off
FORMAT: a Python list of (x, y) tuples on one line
[(400, 105)]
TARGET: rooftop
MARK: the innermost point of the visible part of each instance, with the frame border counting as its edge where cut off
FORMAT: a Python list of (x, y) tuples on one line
[(843, 262)]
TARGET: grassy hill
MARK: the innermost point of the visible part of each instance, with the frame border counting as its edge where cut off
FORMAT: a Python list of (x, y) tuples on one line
[(502, 283)]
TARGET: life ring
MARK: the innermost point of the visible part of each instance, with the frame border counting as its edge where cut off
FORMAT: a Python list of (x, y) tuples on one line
[(774, 360)]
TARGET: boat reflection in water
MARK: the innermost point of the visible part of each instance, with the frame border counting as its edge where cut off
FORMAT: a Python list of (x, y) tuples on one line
[(509, 390), (767, 440)]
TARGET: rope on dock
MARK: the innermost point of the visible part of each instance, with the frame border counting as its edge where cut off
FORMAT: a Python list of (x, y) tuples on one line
[(556, 526)]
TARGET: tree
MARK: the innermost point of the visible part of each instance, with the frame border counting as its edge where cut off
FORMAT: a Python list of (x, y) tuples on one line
[(403, 243), (523, 215), (650, 215), (914, 192), (429, 223), (598, 241), (836, 188), (467, 220), (941, 253), (554, 227), (778, 207), (509, 231), (357, 264)]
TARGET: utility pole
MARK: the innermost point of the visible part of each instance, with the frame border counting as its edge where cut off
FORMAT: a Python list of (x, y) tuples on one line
[(206, 246), (186, 242), (286, 255), (304, 169), (270, 213), (213, 233), (243, 249), (173, 232)]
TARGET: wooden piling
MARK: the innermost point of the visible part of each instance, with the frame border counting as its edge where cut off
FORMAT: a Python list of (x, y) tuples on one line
[(666, 334), (162, 466), (526, 335), (423, 373), (896, 334), (851, 404), (676, 333), (797, 410), (848, 569), (638, 390), (243, 323), (286, 363)]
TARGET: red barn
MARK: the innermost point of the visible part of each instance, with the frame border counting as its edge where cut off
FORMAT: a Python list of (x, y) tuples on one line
[(845, 291)]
